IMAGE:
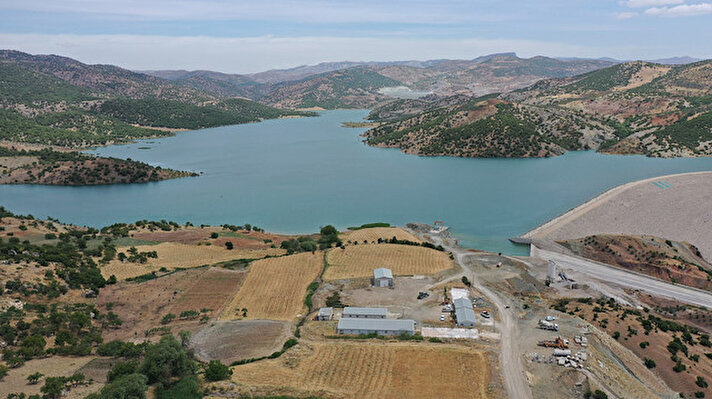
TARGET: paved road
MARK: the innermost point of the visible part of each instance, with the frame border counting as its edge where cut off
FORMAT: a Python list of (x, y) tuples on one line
[(515, 380), (628, 279)]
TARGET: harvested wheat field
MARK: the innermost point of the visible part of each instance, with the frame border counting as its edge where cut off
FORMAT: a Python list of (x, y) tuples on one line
[(55, 366), (371, 370), (404, 260), (229, 341), (174, 255), (373, 234), (275, 288)]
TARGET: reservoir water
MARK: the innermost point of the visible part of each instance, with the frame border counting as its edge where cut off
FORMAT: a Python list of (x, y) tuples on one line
[(294, 175)]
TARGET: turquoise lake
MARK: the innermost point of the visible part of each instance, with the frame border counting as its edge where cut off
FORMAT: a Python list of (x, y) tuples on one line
[(294, 175)]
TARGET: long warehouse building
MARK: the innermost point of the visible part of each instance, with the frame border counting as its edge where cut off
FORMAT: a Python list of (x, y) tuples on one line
[(356, 326)]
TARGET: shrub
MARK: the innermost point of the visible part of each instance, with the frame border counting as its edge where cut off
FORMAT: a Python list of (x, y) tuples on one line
[(216, 371), (121, 369)]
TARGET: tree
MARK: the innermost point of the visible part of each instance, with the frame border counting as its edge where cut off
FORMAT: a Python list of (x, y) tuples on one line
[(165, 360), (216, 371), (650, 363), (214, 235), (184, 338), (53, 387), (128, 386), (329, 230), (121, 369), (33, 346), (34, 377), (3, 371), (229, 245)]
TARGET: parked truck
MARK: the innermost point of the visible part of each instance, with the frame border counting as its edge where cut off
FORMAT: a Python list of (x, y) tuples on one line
[(547, 325)]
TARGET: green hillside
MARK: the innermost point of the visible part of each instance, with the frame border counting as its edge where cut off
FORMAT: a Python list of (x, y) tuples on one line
[(69, 129), (177, 115), (25, 86)]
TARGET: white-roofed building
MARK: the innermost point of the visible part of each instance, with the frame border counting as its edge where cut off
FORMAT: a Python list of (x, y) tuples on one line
[(382, 277), (354, 326), (365, 313), (325, 314)]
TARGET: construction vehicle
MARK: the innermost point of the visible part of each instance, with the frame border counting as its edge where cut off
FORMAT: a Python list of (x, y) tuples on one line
[(547, 325), (558, 343)]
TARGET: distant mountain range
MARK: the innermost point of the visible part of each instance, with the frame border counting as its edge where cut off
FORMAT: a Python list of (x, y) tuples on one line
[(627, 108), (357, 84), (48, 99), (495, 105)]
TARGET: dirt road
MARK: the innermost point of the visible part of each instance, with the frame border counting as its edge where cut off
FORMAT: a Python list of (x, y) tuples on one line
[(510, 360), (626, 278)]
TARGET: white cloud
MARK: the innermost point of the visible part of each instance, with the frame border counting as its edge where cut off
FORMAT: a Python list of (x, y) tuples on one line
[(318, 11), (626, 15), (651, 3), (253, 54), (685, 10)]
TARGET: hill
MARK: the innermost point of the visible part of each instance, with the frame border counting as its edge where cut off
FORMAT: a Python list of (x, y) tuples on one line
[(216, 83), (52, 100), (629, 108), (349, 88)]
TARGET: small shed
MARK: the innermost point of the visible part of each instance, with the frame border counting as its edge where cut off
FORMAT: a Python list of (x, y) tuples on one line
[(382, 277), (364, 313), (325, 314)]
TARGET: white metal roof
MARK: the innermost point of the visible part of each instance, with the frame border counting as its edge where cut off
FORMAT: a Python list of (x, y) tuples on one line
[(382, 272), (462, 303), (348, 311), (465, 315), (326, 311), (376, 324)]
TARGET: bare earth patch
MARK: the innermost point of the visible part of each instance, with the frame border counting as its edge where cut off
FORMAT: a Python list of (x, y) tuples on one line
[(16, 380), (142, 305), (229, 341)]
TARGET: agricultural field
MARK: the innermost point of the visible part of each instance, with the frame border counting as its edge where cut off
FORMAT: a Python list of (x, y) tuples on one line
[(229, 341), (275, 288), (374, 233), (141, 306), (370, 370), (174, 255), (359, 261), (242, 239), (16, 379)]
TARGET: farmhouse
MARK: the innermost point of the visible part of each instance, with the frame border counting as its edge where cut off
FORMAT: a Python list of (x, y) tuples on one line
[(354, 326), (383, 277), (365, 313), (464, 314), (325, 314)]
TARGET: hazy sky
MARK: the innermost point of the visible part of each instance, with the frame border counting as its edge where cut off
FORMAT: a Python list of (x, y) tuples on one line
[(249, 36)]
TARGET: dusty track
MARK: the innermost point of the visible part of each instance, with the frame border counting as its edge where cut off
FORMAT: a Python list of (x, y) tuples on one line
[(515, 380)]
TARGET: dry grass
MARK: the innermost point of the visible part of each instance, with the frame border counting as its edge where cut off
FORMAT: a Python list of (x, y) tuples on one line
[(275, 288), (16, 380), (373, 370), (174, 255), (360, 260), (373, 234)]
